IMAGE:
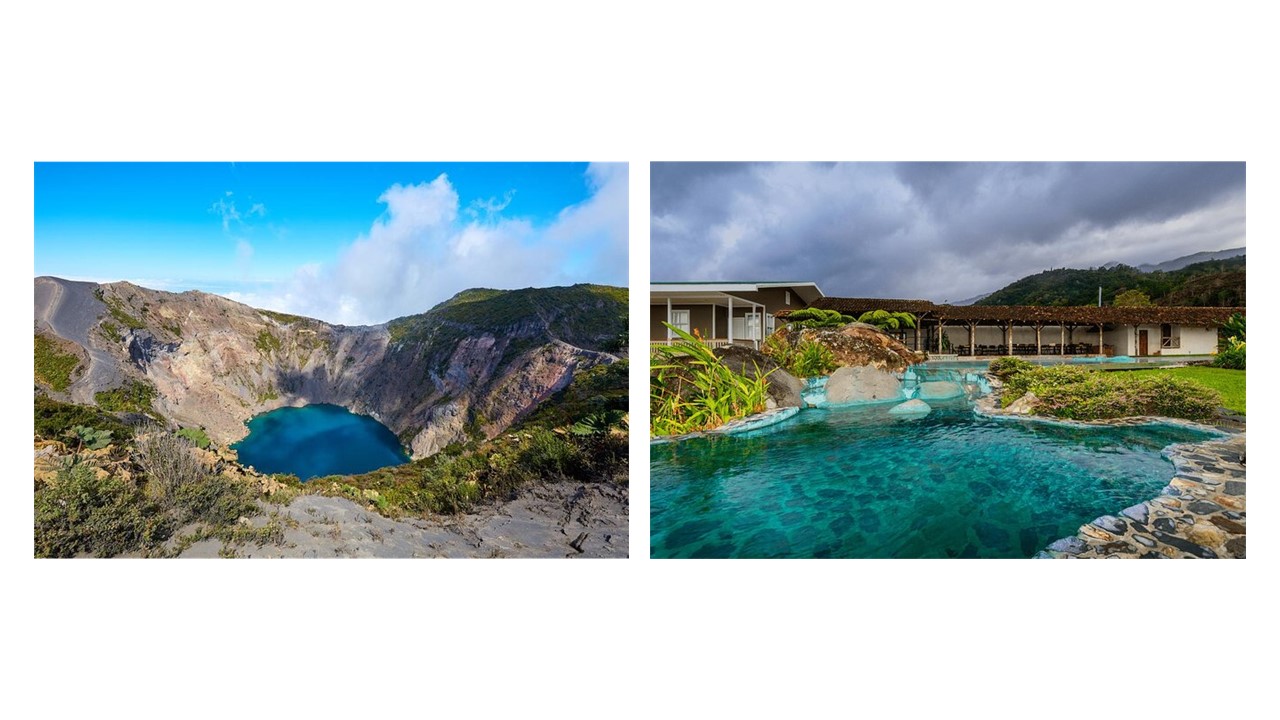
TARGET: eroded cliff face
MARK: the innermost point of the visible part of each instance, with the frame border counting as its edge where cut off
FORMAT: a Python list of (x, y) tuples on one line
[(434, 379)]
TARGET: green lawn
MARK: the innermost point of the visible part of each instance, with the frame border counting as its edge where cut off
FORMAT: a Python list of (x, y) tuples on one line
[(1228, 382)]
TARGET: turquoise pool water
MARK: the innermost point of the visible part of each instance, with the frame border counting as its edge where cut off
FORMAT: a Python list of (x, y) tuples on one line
[(860, 483), (318, 440)]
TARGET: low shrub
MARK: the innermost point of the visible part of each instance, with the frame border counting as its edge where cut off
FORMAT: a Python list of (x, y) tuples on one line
[(82, 513), (1005, 367), (1076, 393), (134, 396), (54, 419)]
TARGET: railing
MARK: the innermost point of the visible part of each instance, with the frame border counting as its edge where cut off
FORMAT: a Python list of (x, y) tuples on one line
[(709, 342), (1170, 342)]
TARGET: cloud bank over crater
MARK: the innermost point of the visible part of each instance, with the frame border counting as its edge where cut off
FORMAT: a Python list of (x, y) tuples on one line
[(430, 243)]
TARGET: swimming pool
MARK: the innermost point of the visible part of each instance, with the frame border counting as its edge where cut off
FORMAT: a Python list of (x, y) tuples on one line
[(861, 483)]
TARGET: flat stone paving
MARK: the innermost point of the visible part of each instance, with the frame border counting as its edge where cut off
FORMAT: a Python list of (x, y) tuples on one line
[(1199, 514)]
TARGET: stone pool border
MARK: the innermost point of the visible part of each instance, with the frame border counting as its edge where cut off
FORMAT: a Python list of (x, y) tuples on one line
[(735, 427), (1199, 514)]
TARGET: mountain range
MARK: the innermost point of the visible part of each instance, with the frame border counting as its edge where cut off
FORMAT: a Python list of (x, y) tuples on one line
[(1213, 279), (465, 369)]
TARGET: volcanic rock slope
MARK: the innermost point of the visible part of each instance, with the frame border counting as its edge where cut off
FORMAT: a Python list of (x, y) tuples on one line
[(469, 367)]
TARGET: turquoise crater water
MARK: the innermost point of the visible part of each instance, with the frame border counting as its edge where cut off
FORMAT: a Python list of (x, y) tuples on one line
[(860, 483), (317, 440)]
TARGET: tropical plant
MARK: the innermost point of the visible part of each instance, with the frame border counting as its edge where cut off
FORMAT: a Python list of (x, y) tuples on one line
[(89, 438), (690, 389), (817, 318), (886, 320), (812, 359), (1233, 357)]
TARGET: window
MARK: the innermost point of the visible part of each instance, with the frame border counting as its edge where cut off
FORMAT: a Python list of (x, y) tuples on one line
[(788, 297), (1169, 336), (680, 318)]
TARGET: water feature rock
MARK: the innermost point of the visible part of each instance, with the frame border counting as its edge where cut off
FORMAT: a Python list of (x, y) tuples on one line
[(911, 407), (940, 390), (1023, 405), (1111, 524), (856, 345), (862, 384)]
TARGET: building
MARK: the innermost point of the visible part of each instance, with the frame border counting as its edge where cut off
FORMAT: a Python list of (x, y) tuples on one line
[(976, 330), (724, 313)]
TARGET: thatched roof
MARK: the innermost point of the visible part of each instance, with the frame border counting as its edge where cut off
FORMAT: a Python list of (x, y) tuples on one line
[(1031, 314)]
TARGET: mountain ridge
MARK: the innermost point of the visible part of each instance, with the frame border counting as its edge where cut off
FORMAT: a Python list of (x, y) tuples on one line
[(468, 367)]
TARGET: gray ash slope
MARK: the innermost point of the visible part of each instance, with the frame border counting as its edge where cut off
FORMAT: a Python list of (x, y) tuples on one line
[(469, 367)]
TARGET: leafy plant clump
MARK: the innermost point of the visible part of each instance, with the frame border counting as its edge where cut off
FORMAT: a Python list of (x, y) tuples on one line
[(817, 318), (197, 437), (88, 438), (690, 389), (1231, 344), (1006, 367), (1076, 393), (54, 367)]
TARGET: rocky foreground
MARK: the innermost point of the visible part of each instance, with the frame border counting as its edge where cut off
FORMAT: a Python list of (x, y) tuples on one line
[(548, 520)]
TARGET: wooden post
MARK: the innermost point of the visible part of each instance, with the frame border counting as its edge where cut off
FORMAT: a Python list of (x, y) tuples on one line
[(1062, 344), (973, 339), (1038, 339), (1008, 343), (1100, 339), (713, 320), (917, 347)]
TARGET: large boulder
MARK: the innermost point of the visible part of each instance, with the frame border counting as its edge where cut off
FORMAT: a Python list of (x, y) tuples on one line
[(856, 344), (940, 390), (911, 407), (864, 383), (784, 388)]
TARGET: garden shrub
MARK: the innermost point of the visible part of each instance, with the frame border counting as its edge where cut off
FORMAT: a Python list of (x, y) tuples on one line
[(1232, 358), (1006, 367), (1076, 393), (817, 318)]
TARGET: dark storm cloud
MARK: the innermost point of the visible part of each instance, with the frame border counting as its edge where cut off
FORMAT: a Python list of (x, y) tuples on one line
[(940, 231)]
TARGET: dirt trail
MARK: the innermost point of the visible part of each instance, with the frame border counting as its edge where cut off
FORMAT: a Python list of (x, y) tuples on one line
[(69, 310)]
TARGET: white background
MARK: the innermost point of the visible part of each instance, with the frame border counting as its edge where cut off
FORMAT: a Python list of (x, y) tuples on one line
[(646, 81)]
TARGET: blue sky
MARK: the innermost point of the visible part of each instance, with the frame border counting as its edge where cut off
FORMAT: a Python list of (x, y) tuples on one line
[(346, 242)]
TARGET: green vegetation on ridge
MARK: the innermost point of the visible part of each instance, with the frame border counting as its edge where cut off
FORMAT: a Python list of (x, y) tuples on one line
[(54, 367), (1216, 283)]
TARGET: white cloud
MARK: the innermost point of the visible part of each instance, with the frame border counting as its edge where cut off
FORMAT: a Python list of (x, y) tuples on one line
[(421, 252)]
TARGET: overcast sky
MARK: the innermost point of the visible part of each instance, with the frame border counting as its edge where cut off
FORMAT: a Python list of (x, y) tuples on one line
[(934, 231)]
